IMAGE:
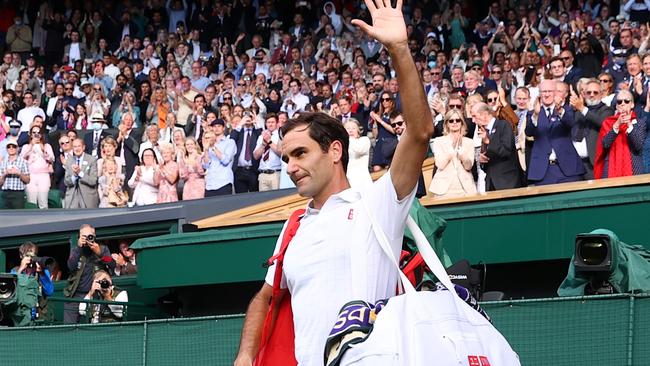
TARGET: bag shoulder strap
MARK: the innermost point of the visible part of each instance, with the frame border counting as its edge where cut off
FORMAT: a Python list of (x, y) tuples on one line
[(289, 233)]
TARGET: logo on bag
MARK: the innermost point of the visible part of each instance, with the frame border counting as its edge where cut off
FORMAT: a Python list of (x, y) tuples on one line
[(478, 361)]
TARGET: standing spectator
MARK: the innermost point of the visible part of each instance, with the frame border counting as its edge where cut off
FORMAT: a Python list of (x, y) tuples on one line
[(219, 152), (27, 115), (75, 50), (246, 164), (167, 175), (143, 181), (191, 171), (85, 259), (14, 177), (359, 155), (19, 38), (185, 101), (4, 123), (590, 114), (385, 134), (454, 158), (62, 154), (108, 148), (128, 143), (81, 178), (39, 157), (267, 152), (619, 152), (125, 260), (94, 138), (127, 105), (498, 156), (295, 101), (110, 184), (553, 158)]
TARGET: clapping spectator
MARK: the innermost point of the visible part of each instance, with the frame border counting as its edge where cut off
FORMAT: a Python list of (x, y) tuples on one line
[(110, 184), (125, 260), (167, 175), (81, 178), (40, 157), (619, 152), (454, 158), (191, 171), (14, 177), (143, 181), (359, 155)]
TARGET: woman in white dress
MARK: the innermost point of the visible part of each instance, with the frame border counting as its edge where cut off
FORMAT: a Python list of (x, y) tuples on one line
[(359, 152), (454, 158), (144, 181)]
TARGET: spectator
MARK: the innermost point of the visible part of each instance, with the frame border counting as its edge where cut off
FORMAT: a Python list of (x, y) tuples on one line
[(27, 115), (553, 158), (85, 259), (14, 177), (38, 272), (191, 171), (81, 178), (94, 139), (219, 152), (591, 112), (152, 141), (127, 105), (619, 152), (359, 155), (382, 130), (167, 175), (39, 157), (295, 100), (267, 152), (143, 181), (454, 158), (497, 155), (128, 143), (125, 260), (102, 289), (246, 164), (19, 38), (62, 154), (108, 148), (110, 185)]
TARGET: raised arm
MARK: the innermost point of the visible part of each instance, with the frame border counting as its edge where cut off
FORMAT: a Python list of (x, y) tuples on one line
[(389, 29)]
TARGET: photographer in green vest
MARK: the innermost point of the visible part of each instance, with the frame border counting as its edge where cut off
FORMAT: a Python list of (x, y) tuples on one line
[(34, 285)]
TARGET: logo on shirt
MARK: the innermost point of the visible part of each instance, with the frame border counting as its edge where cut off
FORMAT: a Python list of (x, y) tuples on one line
[(478, 361), (351, 214)]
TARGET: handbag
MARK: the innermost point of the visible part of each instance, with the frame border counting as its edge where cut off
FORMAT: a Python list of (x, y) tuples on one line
[(277, 342), (427, 327)]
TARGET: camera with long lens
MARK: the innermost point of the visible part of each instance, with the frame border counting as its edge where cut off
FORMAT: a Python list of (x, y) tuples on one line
[(43, 262)]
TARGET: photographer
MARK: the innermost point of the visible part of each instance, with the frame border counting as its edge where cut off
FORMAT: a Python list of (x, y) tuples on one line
[(85, 260), (102, 289), (35, 284)]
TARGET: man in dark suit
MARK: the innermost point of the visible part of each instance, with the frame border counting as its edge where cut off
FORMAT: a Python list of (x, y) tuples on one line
[(195, 121), (345, 105), (553, 158), (573, 73), (498, 156), (128, 146), (245, 165), (590, 113), (93, 138), (60, 156)]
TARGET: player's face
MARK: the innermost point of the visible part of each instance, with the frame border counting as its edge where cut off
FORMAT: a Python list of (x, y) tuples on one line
[(309, 167)]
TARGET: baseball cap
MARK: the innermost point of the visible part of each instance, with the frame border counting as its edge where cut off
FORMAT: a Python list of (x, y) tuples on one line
[(12, 141), (218, 121)]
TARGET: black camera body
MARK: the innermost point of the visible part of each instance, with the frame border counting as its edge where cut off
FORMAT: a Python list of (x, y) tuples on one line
[(90, 238), (105, 284), (42, 261)]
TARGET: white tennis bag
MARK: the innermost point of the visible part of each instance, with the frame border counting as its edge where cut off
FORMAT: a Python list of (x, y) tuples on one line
[(425, 328)]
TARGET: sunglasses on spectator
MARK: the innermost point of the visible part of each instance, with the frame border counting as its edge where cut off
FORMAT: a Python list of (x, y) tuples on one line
[(97, 89), (565, 58), (386, 99), (492, 100), (605, 81), (36, 133), (397, 123), (496, 71), (454, 120), (72, 89), (623, 101), (227, 98), (435, 73), (64, 142), (455, 106), (591, 92), (12, 146), (476, 67)]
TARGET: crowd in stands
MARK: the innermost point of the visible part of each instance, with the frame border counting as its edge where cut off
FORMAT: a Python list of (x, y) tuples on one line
[(114, 103)]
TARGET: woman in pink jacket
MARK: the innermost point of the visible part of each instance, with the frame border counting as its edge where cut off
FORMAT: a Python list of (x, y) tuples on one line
[(39, 156)]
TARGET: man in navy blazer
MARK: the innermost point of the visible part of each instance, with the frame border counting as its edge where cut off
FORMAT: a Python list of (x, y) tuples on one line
[(553, 158), (245, 165)]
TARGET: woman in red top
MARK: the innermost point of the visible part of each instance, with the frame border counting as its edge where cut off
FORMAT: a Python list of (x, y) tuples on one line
[(619, 151)]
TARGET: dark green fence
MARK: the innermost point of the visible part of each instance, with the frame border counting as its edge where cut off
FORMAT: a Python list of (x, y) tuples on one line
[(597, 330)]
